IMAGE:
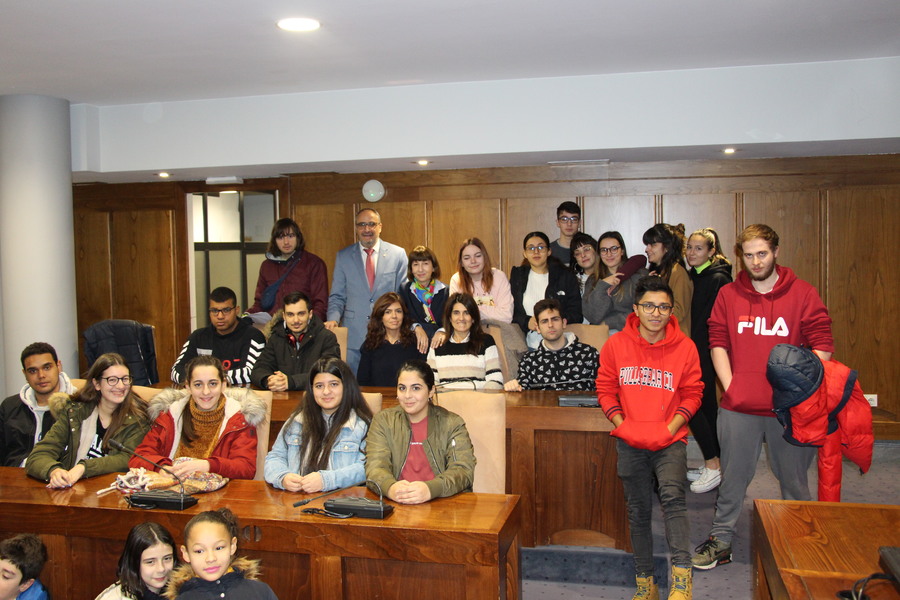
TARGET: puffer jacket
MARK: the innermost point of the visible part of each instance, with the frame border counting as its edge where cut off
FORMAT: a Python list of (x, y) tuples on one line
[(241, 582), (447, 446), (820, 403), (59, 448), (234, 455)]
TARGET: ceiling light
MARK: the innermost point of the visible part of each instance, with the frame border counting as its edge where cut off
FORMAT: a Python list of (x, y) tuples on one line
[(298, 24), (729, 150), (422, 163), (163, 175)]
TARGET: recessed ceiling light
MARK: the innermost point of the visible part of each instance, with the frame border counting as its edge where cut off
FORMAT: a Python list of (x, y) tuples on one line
[(298, 24), (163, 175), (422, 163), (729, 150)]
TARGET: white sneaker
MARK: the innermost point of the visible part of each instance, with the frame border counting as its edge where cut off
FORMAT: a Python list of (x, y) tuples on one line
[(694, 474), (709, 480)]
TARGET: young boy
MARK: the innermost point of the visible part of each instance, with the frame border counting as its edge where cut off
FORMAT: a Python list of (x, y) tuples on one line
[(21, 559), (649, 387)]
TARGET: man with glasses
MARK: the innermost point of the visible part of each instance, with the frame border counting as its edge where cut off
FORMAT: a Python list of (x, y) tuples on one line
[(362, 273), (26, 417), (649, 387), (229, 337), (561, 362), (568, 219), (766, 305)]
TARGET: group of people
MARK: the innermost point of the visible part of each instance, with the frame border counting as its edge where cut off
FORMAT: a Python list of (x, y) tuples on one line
[(680, 325)]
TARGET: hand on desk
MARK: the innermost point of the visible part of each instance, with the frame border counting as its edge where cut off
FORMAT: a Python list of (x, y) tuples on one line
[(409, 492), (60, 478), (512, 385), (303, 483), (277, 382), (185, 468)]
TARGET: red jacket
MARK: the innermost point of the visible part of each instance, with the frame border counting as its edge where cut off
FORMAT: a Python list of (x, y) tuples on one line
[(309, 277), (648, 384), (234, 455), (748, 325)]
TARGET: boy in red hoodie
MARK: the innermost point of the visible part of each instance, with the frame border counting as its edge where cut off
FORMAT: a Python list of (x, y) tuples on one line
[(649, 387), (767, 305)]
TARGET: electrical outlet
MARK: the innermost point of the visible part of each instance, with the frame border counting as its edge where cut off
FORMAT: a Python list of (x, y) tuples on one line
[(872, 398)]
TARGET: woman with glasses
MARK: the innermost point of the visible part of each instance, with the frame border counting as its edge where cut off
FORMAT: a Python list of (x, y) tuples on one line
[(542, 276), (289, 268), (209, 428), (609, 290), (104, 410), (664, 245)]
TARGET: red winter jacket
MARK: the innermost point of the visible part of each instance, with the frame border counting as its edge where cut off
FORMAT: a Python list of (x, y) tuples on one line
[(648, 384), (234, 455), (821, 404)]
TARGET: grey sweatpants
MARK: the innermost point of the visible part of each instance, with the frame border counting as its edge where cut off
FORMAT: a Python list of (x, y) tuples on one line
[(740, 438)]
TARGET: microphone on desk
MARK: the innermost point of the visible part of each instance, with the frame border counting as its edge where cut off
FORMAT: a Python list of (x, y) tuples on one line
[(166, 499), (361, 507), (308, 500)]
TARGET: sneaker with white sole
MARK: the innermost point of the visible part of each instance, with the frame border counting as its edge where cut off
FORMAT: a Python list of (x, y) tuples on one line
[(710, 553), (709, 480), (694, 474)]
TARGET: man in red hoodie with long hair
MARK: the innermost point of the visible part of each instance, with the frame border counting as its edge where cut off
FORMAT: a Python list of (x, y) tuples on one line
[(649, 386), (767, 305)]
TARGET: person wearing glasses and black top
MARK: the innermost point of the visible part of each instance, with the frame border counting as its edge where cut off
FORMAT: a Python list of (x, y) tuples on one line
[(229, 337), (542, 276), (103, 410)]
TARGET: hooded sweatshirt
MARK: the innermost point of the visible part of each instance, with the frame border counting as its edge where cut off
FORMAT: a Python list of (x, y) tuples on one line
[(649, 384), (748, 325), (23, 424)]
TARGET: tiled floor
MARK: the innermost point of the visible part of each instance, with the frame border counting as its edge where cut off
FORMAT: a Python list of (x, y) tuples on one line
[(880, 486)]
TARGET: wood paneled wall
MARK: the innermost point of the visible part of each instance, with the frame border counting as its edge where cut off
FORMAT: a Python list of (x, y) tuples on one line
[(837, 218)]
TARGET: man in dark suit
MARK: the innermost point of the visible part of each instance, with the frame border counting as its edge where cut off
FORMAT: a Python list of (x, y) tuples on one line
[(363, 272)]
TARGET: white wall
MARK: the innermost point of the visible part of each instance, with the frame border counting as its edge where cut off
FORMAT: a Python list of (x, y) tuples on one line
[(845, 100)]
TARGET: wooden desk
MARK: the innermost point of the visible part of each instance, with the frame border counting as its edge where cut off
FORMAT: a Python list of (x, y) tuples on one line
[(460, 547), (561, 461), (804, 550)]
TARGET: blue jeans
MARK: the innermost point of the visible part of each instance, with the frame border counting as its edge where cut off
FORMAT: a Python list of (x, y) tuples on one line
[(636, 468)]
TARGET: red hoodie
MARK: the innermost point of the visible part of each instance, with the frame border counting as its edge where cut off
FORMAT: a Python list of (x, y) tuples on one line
[(748, 325), (648, 384)]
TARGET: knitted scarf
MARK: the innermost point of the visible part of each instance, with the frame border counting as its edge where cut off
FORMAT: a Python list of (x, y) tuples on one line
[(206, 427)]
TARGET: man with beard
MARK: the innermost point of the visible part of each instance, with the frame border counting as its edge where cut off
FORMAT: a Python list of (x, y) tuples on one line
[(766, 306)]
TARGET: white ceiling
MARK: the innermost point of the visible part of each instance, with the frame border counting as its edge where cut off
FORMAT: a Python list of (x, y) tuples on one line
[(136, 51)]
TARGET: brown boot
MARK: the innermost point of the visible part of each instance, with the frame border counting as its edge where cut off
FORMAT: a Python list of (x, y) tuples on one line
[(646, 589), (680, 586)]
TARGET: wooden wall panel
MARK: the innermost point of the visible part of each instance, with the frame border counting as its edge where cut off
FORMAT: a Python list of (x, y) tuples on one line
[(704, 210), (143, 272), (404, 223), (93, 294), (326, 229), (524, 215), (629, 215), (796, 217), (453, 222), (863, 299)]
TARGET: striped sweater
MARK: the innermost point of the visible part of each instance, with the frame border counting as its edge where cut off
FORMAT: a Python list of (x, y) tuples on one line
[(455, 368)]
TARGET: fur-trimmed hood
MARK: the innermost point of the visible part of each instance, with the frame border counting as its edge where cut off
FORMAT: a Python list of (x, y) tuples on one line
[(252, 406), (248, 568), (57, 402)]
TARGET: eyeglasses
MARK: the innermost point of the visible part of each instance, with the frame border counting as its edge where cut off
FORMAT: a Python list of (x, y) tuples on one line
[(111, 381), (536, 248), (569, 219), (289, 236), (649, 308), (610, 250), (583, 251), (221, 311), (367, 224)]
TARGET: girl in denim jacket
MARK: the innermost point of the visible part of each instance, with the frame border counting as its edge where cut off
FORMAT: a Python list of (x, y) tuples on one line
[(322, 444)]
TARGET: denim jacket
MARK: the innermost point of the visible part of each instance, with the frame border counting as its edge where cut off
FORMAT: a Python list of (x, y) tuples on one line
[(346, 465)]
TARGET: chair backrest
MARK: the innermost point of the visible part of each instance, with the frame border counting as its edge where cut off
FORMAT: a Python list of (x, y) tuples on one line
[(133, 340), (485, 417), (374, 400), (341, 334), (593, 335), (262, 435), (510, 346)]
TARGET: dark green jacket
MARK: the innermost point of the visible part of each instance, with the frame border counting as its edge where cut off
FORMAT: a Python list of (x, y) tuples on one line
[(448, 448), (59, 447)]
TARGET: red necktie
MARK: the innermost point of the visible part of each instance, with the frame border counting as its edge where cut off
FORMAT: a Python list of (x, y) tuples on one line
[(370, 268)]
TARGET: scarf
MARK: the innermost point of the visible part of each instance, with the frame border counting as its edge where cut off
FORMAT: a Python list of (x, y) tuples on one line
[(206, 427), (425, 296)]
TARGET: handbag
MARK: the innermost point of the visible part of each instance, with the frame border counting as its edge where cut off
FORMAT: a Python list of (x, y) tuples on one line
[(268, 298)]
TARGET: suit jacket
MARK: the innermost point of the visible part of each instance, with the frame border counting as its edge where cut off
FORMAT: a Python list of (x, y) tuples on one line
[(350, 302)]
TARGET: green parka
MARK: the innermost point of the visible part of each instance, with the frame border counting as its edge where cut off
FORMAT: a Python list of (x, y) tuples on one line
[(448, 448), (59, 448)]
